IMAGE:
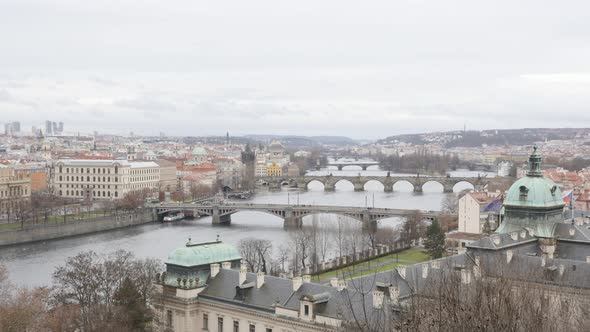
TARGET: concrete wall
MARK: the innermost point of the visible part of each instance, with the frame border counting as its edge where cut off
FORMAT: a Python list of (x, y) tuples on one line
[(73, 228)]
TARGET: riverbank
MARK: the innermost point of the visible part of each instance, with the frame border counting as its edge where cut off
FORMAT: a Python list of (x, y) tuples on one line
[(52, 231)]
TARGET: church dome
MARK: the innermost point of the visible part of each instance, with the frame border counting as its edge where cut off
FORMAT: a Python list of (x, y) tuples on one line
[(203, 254), (534, 190), (199, 151)]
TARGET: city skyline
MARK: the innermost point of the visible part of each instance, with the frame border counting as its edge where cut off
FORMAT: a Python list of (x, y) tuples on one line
[(371, 72)]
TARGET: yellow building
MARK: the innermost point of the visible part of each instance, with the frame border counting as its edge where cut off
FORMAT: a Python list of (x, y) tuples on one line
[(274, 170)]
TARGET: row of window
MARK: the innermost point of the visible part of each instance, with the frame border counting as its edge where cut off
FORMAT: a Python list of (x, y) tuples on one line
[(236, 326), (76, 186), (14, 192), (81, 193), (144, 171), (94, 178), (94, 170), (143, 178)]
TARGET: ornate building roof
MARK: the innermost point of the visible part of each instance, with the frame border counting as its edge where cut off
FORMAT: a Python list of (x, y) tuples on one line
[(203, 254)]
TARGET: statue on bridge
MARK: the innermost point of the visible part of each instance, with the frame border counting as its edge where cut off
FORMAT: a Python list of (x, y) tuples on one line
[(388, 174)]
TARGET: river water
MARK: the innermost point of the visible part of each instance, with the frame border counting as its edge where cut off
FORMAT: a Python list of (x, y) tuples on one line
[(33, 264)]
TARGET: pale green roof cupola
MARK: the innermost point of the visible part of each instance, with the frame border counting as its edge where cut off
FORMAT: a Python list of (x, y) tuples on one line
[(533, 202)]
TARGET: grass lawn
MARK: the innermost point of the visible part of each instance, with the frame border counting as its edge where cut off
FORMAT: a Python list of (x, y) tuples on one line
[(408, 257)]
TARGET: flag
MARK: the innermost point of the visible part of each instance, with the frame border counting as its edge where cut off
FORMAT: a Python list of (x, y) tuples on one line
[(493, 206), (568, 196)]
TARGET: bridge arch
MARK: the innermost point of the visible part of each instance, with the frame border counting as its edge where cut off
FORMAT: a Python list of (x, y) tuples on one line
[(315, 185), (352, 167), (373, 185), (344, 184), (433, 186), (403, 186), (288, 182), (462, 185)]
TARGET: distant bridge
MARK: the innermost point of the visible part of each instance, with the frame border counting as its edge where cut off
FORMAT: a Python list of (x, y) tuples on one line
[(363, 164), (329, 181), (292, 214)]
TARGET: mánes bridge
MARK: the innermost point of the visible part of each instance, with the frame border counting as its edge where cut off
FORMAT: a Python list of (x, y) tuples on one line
[(292, 214), (329, 181)]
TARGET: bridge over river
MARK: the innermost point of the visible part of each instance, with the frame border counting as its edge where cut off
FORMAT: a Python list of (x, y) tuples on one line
[(388, 181), (292, 214)]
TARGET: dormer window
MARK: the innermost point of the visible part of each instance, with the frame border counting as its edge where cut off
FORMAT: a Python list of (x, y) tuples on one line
[(524, 191), (553, 190)]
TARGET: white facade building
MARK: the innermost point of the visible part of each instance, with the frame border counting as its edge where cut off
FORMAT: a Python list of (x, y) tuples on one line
[(103, 179)]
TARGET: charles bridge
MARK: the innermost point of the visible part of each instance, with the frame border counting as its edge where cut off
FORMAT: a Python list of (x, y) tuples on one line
[(291, 214), (388, 181)]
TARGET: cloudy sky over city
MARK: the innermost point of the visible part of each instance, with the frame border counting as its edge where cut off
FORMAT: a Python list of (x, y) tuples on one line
[(363, 69)]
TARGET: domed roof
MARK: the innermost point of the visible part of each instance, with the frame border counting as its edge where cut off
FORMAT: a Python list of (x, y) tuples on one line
[(199, 151), (203, 254), (534, 192), (276, 145)]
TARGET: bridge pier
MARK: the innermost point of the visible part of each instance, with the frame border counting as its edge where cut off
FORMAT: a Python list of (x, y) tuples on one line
[(388, 187), (418, 188), (291, 220), (329, 187), (369, 224), (359, 186), (364, 167), (340, 167), (448, 188), (218, 219)]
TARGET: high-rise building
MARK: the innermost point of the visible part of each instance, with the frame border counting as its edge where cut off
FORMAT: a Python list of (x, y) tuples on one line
[(61, 127), (48, 128), (12, 128)]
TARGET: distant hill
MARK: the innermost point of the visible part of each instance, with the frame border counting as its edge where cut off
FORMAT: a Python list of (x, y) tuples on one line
[(525, 136), (303, 141)]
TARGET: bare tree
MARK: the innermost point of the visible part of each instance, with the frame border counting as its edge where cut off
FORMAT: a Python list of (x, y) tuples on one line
[(256, 253)]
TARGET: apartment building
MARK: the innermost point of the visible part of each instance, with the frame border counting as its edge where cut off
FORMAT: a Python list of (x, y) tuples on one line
[(104, 179)]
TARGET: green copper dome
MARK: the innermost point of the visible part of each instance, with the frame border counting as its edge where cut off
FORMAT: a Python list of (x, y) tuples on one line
[(203, 254), (534, 192), (199, 151), (533, 203)]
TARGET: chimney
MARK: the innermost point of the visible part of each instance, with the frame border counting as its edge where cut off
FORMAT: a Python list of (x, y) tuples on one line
[(341, 285), (522, 234), (561, 270), (297, 281), (243, 272), (402, 271), (307, 278), (514, 236), (214, 270), (509, 255), (377, 299), (572, 231), (334, 281), (226, 265), (424, 271), (259, 279), (394, 294), (465, 276)]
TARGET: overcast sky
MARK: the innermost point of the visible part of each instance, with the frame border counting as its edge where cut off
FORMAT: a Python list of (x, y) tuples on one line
[(363, 69)]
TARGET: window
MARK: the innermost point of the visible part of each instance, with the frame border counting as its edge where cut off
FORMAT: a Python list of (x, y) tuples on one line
[(169, 318), (236, 326), (219, 324), (252, 328), (268, 329), (306, 310), (205, 321)]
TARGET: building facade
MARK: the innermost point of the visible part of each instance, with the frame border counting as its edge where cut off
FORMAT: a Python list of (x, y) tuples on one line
[(104, 179), (15, 190)]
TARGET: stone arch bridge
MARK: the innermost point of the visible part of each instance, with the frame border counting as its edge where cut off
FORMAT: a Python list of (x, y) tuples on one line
[(329, 181), (293, 214)]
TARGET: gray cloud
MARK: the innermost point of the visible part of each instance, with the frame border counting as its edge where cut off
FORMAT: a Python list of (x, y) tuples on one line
[(311, 67)]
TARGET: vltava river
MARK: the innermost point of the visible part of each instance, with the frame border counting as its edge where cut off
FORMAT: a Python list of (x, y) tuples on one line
[(33, 264)]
